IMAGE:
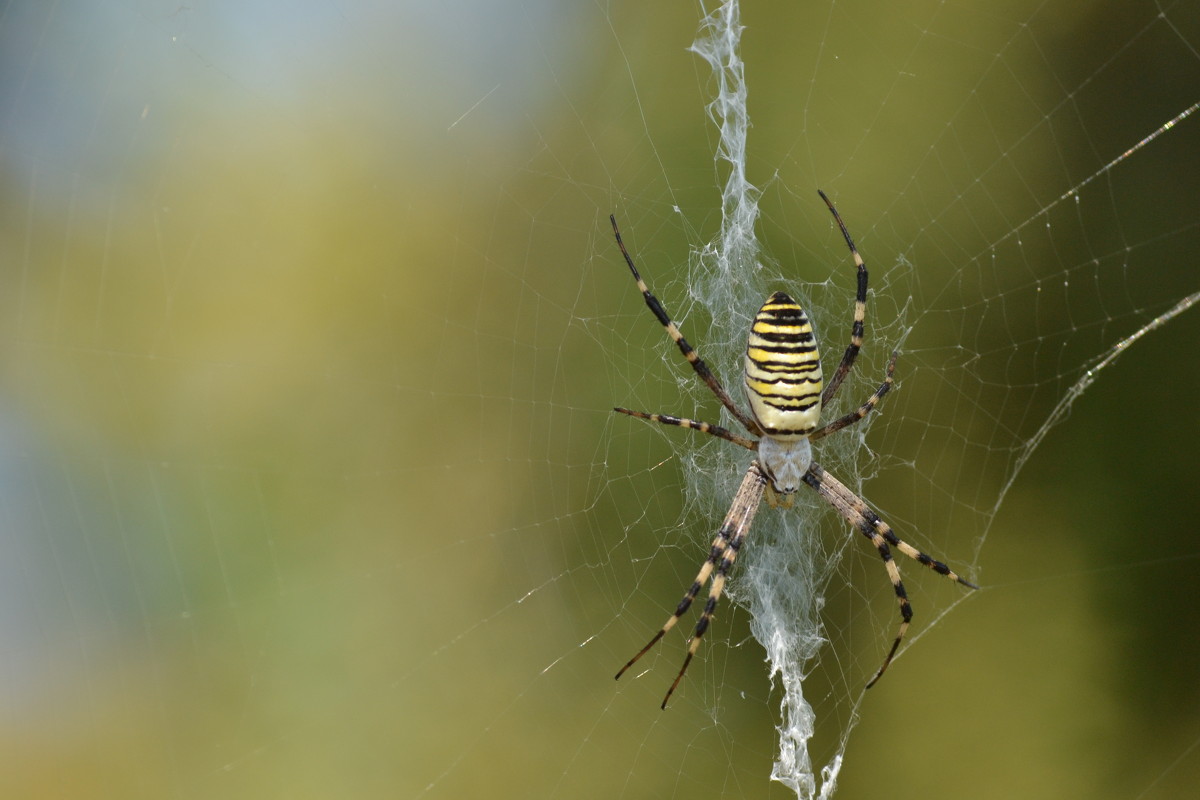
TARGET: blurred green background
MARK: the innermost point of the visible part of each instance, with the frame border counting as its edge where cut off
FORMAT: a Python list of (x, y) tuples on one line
[(311, 325)]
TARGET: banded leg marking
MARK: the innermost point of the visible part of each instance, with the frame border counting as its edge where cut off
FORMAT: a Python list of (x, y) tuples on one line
[(721, 557), (858, 514), (865, 408), (858, 328), (696, 425), (688, 351)]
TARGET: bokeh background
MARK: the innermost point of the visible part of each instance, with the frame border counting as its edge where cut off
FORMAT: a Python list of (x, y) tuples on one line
[(310, 324)]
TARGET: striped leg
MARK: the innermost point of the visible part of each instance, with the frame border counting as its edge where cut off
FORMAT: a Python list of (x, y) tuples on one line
[(860, 313), (860, 412), (703, 427), (721, 557), (856, 512), (688, 351)]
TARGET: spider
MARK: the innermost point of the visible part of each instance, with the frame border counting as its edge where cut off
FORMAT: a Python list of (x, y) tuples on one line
[(783, 383)]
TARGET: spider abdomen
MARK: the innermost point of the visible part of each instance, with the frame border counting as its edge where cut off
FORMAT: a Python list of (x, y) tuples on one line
[(783, 370)]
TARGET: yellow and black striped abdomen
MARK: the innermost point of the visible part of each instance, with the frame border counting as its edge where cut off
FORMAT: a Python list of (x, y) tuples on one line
[(783, 370)]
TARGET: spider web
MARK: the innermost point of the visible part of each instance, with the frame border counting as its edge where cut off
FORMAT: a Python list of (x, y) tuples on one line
[(313, 321)]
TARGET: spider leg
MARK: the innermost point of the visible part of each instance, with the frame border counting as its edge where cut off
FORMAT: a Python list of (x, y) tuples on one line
[(860, 312), (860, 412), (724, 552), (719, 545), (861, 515), (688, 351), (858, 514), (703, 427)]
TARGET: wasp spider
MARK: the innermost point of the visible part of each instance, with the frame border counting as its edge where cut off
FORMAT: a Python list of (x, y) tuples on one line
[(783, 383)]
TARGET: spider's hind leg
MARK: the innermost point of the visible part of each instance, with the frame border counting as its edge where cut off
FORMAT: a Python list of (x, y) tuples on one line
[(689, 352)]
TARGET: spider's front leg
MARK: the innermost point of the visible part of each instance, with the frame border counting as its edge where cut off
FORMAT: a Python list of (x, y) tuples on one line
[(720, 561), (857, 513)]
